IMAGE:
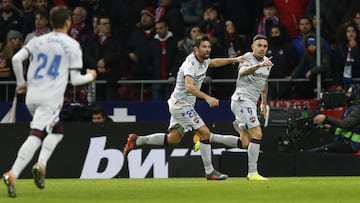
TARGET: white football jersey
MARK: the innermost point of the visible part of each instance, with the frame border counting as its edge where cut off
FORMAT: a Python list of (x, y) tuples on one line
[(193, 68), (51, 57), (249, 87)]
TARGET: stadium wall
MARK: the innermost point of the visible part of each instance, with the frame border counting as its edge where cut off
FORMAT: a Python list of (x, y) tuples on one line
[(94, 151)]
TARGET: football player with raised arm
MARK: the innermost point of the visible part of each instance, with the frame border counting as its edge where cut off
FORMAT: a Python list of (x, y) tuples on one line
[(184, 117), (250, 85), (53, 57)]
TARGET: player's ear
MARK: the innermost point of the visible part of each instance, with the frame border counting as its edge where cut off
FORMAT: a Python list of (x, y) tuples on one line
[(68, 23)]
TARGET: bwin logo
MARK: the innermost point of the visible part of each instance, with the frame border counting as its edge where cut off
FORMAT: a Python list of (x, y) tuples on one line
[(138, 166), (115, 161)]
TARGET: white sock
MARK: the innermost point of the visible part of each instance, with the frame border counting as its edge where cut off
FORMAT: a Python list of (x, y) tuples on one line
[(205, 151), (228, 140), (25, 154), (152, 139), (253, 156), (48, 146)]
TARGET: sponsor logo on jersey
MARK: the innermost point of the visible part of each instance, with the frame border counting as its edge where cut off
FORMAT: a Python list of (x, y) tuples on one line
[(260, 75)]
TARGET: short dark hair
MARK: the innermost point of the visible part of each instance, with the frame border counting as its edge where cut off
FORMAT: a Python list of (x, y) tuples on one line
[(58, 16), (102, 16), (257, 37), (200, 39), (306, 17), (98, 110), (42, 12)]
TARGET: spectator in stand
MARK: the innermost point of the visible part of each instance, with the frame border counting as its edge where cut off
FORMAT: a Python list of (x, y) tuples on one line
[(326, 32), (231, 44), (138, 42), (10, 19), (104, 52), (307, 68), (169, 11), (41, 24), (186, 45), (43, 4), (12, 45), (284, 57), (290, 13), (192, 11), (306, 27), (125, 15), (212, 25), (98, 115), (332, 14), (28, 17), (347, 57), (269, 19), (243, 13), (160, 61), (234, 43), (79, 28)]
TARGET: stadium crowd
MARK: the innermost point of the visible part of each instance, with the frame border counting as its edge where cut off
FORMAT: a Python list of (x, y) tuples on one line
[(149, 39)]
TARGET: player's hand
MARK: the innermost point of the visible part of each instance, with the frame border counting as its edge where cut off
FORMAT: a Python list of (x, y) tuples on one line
[(92, 72), (319, 119), (242, 58), (267, 63), (21, 89), (212, 101)]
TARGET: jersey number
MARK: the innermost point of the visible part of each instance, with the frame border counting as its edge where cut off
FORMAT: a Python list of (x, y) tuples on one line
[(52, 67)]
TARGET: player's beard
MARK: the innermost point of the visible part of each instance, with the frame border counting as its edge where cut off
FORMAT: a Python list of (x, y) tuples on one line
[(205, 56)]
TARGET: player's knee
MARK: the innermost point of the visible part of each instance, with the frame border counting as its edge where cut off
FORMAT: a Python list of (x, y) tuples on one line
[(245, 144), (38, 133), (174, 137), (204, 133)]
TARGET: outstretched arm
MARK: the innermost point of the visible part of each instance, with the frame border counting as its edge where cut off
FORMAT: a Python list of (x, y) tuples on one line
[(77, 79), (218, 62), (247, 70)]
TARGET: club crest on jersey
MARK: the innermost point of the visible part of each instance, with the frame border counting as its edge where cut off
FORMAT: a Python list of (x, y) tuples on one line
[(249, 110), (252, 119)]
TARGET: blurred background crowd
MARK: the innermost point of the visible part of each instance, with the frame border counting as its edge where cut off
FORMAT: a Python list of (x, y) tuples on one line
[(149, 39)]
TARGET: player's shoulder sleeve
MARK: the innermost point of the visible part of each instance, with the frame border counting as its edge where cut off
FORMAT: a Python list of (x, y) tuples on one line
[(247, 62), (30, 45), (189, 66), (76, 58)]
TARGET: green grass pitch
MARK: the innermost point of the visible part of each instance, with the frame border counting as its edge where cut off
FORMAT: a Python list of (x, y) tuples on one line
[(188, 190)]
